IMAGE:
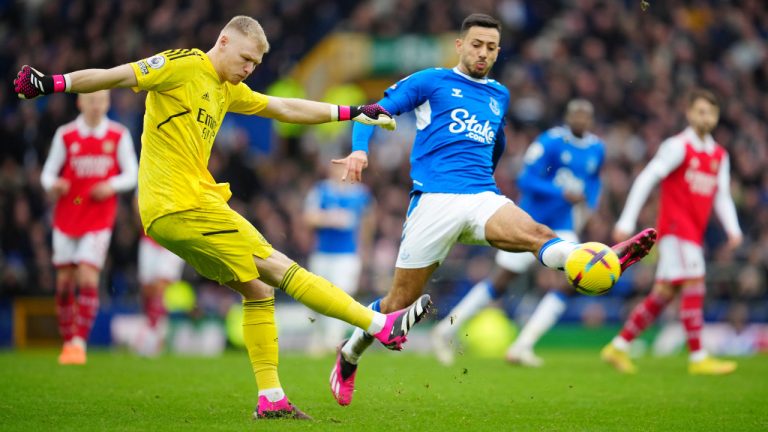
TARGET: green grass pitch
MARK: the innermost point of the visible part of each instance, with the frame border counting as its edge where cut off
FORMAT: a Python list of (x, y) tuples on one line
[(396, 391)]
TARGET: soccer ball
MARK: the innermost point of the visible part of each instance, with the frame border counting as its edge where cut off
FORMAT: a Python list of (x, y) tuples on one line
[(592, 268), (488, 334)]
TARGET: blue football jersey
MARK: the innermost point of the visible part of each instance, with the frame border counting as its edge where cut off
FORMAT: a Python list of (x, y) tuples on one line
[(355, 199), (460, 129), (556, 162)]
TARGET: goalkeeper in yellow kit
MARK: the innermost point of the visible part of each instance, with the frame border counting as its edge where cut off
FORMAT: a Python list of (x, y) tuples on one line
[(185, 210)]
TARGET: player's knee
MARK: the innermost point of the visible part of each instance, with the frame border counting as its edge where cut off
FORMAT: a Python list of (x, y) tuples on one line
[(273, 268), (65, 282), (666, 291), (88, 275), (252, 290)]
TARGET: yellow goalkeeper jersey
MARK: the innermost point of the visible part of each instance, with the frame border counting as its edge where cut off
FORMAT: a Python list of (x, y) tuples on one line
[(185, 106)]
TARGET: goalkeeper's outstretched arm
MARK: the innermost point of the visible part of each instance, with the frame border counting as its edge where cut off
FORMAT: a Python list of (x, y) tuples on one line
[(302, 111), (31, 83)]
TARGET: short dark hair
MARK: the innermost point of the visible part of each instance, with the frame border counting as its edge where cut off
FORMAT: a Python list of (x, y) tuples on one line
[(479, 20), (700, 93)]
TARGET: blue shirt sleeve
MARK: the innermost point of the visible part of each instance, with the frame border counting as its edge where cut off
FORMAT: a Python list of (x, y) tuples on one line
[(403, 96), (411, 91), (533, 177), (362, 133)]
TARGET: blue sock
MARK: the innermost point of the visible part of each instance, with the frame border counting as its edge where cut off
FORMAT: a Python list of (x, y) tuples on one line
[(491, 290), (376, 305)]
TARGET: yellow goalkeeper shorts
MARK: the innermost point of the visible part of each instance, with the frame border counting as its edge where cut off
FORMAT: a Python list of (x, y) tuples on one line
[(217, 241)]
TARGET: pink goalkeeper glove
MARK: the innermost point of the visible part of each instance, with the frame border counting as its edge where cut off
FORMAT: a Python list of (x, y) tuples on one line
[(373, 114), (30, 83)]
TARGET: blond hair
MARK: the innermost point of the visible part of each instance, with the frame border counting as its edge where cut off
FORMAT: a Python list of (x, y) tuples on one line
[(248, 26)]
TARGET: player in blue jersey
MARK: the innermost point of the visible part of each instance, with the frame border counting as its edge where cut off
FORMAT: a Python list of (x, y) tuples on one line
[(459, 139), (341, 215), (560, 184)]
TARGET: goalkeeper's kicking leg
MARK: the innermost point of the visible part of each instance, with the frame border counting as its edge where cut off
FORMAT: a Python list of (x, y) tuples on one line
[(260, 331)]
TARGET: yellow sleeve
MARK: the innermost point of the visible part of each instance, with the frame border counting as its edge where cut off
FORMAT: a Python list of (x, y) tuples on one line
[(243, 100), (167, 70)]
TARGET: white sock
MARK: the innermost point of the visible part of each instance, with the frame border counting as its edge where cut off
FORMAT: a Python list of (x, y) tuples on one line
[(78, 342), (361, 340), (379, 319), (554, 253), (476, 299), (620, 344), (697, 356), (272, 394), (356, 346), (549, 310)]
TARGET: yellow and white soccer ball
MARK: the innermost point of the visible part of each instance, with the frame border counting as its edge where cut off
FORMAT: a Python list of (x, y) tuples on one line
[(593, 268)]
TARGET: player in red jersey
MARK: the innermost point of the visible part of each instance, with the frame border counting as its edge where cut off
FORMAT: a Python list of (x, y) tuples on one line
[(90, 160), (694, 174)]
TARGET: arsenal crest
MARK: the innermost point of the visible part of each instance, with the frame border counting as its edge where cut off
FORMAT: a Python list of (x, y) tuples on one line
[(108, 146)]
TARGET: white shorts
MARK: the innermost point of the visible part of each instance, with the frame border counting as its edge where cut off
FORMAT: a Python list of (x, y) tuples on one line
[(343, 270), (90, 248), (679, 260), (520, 262), (158, 263), (437, 221)]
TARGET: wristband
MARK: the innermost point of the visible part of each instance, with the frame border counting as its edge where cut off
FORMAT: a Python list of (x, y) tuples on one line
[(344, 113), (59, 83)]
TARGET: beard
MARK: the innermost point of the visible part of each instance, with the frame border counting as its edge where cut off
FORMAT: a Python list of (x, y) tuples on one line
[(703, 129), (477, 74)]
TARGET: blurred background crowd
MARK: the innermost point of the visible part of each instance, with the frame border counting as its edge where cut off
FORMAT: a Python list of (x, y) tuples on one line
[(634, 66)]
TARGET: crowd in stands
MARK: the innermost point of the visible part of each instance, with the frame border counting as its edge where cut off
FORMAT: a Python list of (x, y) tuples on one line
[(634, 66)]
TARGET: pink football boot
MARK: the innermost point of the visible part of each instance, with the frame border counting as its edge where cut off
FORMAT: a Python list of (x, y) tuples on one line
[(635, 248)]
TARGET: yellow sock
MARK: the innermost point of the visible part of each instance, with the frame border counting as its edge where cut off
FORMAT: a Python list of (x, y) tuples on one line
[(260, 336), (324, 297)]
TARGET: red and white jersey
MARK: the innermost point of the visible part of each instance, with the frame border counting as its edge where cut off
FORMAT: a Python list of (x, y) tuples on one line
[(86, 156), (695, 178)]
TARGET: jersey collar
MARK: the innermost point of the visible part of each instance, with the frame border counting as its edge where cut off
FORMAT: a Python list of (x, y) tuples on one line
[(84, 130), (209, 64), (477, 80), (707, 144), (584, 141)]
